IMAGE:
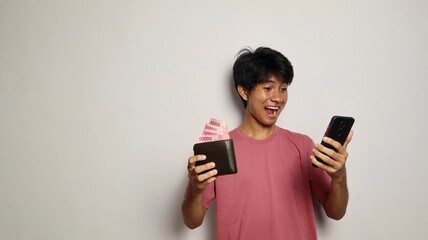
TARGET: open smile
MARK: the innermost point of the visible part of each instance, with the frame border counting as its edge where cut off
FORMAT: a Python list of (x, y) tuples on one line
[(272, 111)]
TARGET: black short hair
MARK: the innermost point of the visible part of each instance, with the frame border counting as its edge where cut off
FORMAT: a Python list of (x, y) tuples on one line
[(254, 67)]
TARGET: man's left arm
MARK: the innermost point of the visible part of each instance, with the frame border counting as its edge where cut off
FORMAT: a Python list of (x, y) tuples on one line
[(335, 201)]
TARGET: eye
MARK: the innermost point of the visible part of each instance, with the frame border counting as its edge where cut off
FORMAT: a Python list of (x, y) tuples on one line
[(283, 89), (267, 88)]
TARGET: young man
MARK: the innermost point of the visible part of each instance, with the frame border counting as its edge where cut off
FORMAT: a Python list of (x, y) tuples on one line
[(271, 195)]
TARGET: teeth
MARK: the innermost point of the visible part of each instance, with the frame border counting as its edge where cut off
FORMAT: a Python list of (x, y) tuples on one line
[(273, 108)]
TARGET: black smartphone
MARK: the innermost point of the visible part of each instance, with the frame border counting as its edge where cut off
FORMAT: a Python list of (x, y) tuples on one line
[(338, 129)]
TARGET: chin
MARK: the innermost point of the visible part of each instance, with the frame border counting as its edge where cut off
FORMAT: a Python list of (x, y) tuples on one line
[(269, 123)]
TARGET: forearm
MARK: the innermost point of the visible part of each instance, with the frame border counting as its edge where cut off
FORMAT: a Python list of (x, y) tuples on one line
[(337, 199), (193, 211)]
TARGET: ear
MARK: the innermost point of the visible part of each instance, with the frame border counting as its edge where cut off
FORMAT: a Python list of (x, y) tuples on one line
[(243, 93)]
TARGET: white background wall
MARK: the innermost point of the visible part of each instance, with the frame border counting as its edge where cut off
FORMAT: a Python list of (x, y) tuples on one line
[(101, 102)]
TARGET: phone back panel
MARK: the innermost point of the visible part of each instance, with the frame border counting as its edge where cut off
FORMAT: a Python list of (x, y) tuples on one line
[(339, 128)]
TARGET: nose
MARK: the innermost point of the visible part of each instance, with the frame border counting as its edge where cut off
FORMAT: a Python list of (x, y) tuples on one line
[(277, 96)]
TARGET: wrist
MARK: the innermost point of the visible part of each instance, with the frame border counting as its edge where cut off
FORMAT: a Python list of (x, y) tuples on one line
[(339, 180), (339, 177), (195, 192)]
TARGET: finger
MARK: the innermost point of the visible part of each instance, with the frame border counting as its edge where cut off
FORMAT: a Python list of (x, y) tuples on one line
[(325, 150), (321, 165), (348, 139), (191, 163), (207, 175), (204, 167), (329, 156), (211, 179), (196, 158), (338, 148), (332, 142), (323, 157), (200, 186)]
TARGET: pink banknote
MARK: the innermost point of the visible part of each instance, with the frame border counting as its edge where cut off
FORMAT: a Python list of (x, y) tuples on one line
[(213, 131)]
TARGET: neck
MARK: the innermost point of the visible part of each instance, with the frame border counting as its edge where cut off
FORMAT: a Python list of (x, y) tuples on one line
[(254, 129)]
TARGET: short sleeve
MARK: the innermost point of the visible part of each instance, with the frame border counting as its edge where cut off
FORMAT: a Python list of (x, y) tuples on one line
[(209, 195), (319, 180)]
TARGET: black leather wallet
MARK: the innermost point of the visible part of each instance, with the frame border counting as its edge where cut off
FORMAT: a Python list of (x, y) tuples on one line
[(221, 152)]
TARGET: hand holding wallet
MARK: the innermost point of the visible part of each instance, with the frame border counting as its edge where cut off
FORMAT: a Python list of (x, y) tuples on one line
[(221, 152), (216, 145)]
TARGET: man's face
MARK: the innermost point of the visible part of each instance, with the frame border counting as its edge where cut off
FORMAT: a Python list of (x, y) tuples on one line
[(266, 101)]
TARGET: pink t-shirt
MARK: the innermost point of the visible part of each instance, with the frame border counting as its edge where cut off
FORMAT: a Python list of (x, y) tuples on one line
[(271, 195)]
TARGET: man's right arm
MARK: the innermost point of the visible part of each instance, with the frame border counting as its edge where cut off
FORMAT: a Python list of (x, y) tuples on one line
[(192, 209)]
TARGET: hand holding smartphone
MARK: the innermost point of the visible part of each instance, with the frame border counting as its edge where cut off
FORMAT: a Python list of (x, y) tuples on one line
[(338, 130)]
